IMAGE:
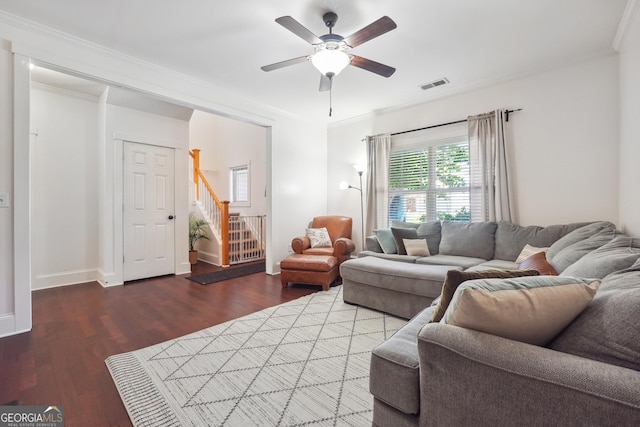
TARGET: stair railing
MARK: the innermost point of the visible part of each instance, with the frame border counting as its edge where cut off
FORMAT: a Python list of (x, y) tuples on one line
[(215, 209)]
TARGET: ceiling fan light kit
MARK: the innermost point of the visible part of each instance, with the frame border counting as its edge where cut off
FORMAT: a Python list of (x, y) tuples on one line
[(331, 56), (330, 62)]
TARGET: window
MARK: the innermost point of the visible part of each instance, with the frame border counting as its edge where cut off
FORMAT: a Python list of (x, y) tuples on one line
[(239, 182), (430, 181)]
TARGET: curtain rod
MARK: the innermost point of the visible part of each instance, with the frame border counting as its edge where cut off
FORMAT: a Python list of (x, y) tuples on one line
[(507, 112)]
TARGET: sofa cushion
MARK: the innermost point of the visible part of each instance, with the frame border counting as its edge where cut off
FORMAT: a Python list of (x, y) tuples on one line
[(393, 257), (386, 240), (372, 244), (608, 329), (403, 233), (511, 238), (566, 256), (494, 264), (528, 309), (432, 231), (456, 278), (395, 362), (476, 239), (416, 247), (618, 254), (577, 235), (401, 277), (463, 262), (538, 262)]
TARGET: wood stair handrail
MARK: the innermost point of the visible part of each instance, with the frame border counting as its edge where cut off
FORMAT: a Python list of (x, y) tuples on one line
[(223, 205)]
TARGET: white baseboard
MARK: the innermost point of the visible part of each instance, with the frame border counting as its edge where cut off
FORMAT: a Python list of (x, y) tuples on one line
[(8, 325), (209, 257), (184, 268), (46, 281), (108, 279)]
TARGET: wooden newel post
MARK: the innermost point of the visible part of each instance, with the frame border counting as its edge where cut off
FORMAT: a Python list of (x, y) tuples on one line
[(224, 231), (196, 170)]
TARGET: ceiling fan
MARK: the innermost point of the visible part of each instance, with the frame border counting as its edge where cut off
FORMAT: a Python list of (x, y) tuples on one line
[(331, 50)]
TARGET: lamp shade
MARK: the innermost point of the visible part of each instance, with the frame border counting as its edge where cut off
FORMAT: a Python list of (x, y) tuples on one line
[(344, 185), (330, 62)]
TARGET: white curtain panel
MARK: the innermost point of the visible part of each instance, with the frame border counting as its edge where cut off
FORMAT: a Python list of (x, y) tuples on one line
[(377, 208), (490, 193)]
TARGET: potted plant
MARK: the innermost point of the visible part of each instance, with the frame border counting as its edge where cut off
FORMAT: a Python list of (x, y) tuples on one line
[(197, 230)]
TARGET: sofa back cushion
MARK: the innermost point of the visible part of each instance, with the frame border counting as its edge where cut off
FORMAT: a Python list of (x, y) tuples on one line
[(476, 239), (578, 243), (608, 329), (512, 238), (618, 254)]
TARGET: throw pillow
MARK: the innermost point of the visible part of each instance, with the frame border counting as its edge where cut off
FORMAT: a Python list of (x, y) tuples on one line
[(530, 309), (455, 278), (527, 251), (319, 237), (416, 247), (618, 254), (538, 262), (387, 243), (400, 234)]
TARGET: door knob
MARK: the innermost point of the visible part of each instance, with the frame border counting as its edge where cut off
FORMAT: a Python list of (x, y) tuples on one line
[(170, 216)]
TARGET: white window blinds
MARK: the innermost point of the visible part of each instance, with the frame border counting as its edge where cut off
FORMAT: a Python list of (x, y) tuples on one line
[(429, 180), (239, 180)]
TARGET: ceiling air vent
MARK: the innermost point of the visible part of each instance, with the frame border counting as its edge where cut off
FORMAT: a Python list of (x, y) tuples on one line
[(439, 82)]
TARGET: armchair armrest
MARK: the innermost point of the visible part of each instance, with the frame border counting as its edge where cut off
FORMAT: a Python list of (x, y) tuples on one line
[(299, 244), (342, 248), (467, 376)]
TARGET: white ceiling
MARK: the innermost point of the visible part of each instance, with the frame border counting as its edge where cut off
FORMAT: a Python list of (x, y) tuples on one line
[(472, 43)]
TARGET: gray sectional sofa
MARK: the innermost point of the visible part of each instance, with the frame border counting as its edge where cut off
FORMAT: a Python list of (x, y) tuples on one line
[(433, 373)]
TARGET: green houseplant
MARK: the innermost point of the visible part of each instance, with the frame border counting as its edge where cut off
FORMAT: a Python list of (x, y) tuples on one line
[(197, 230)]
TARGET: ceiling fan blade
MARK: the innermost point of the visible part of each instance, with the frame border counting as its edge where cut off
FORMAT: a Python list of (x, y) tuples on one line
[(325, 83), (371, 31), (298, 29), (373, 66), (283, 64)]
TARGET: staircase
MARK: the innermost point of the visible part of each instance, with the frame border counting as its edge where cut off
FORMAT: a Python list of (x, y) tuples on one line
[(241, 238)]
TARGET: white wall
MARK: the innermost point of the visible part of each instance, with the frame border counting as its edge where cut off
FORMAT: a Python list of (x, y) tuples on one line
[(227, 143), (630, 127), (565, 136), (64, 187)]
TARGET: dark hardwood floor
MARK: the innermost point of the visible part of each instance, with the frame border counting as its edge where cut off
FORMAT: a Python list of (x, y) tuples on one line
[(75, 328)]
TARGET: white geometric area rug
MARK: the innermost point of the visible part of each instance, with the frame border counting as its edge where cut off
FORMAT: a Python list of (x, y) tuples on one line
[(302, 363)]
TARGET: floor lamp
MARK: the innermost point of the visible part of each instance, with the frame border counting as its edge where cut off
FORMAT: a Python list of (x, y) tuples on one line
[(345, 185)]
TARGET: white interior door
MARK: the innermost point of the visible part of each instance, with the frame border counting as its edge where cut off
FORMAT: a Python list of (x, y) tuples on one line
[(148, 211)]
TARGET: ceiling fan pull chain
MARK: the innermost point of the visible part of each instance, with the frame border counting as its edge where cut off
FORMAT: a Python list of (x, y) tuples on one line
[(330, 103)]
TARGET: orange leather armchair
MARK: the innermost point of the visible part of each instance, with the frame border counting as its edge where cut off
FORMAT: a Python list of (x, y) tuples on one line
[(339, 228)]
